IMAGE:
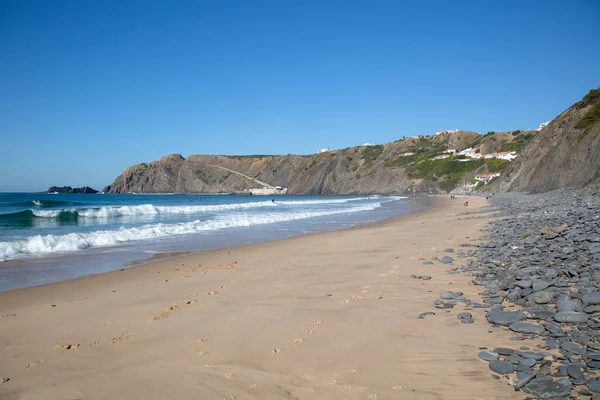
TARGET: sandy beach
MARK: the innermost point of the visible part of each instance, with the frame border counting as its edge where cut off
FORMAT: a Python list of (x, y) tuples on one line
[(332, 315)]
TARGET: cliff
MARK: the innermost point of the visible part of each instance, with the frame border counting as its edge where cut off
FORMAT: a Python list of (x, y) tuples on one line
[(380, 169), (565, 154)]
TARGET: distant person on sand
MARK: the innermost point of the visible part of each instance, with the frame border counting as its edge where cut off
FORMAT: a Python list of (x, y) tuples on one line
[(466, 203)]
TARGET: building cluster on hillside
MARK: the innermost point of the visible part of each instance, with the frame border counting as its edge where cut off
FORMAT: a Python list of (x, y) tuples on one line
[(486, 178), (470, 153), (543, 125), (446, 131)]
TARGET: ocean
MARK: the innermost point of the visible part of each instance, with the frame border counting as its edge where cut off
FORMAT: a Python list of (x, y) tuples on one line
[(47, 238)]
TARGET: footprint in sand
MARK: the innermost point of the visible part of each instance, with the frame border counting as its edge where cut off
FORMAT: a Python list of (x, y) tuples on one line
[(276, 351), (397, 387), (34, 364), (309, 331), (167, 313), (9, 315), (255, 385), (190, 302), (214, 292), (203, 353), (345, 301), (317, 321), (65, 347), (204, 340), (298, 340), (372, 397), (357, 297), (230, 376)]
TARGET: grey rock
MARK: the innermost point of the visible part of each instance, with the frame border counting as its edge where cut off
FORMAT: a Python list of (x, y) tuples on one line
[(486, 356), (542, 296), (504, 351), (527, 327), (530, 240), (427, 262), (539, 284), (449, 250), (594, 386), (528, 362), (574, 371), (573, 347), (446, 260), (592, 298), (465, 318), (505, 318), (450, 295), (426, 314), (547, 389), (525, 283), (566, 305), (531, 355), (501, 367), (570, 316)]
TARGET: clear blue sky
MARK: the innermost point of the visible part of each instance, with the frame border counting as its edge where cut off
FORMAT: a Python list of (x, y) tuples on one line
[(89, 88)]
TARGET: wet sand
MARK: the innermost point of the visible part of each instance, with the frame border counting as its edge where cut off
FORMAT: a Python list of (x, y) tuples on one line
[(331, 315)]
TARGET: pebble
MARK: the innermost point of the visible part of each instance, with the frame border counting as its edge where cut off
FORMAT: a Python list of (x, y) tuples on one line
[(446, 260), (538, 265), (450, 295), (527, 327), (547, 389), (426, 314), (501, 367), (594, 386), (486, 356), (570, 316), (506, 318), (465, 318)]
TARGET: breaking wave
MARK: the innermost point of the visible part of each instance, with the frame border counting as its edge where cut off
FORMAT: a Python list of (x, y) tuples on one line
[(70, 215), (47, 244)]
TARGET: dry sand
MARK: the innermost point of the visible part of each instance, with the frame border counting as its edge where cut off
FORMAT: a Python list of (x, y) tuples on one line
[(323, 316)]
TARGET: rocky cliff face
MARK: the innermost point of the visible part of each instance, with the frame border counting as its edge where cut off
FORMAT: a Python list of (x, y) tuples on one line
[(355, 170), (565, 154)]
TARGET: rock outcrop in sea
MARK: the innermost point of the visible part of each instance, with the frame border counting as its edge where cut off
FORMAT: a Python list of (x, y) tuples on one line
[(71, 190)]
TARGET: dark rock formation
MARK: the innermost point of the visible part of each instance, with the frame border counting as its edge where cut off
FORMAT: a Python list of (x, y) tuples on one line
[(565, 154), (70, 190)]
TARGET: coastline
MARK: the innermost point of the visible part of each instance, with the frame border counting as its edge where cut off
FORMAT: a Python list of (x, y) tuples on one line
[(324, 315), (61, 258)]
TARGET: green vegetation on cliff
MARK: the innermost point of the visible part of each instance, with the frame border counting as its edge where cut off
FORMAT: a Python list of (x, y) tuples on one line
[(592, 117), (496, 164), (370, 154), (518, 144)]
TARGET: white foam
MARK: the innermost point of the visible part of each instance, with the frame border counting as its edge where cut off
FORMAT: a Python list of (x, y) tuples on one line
[(149, 209), (43, 245), (47, 213)]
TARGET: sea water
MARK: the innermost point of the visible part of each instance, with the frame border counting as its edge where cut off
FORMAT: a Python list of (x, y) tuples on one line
[(46, 238)]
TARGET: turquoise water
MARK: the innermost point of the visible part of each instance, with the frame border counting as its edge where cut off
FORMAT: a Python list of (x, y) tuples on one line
[(47, 238)]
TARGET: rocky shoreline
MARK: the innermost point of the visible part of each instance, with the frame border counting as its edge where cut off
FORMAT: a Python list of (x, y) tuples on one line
[(539, 273)]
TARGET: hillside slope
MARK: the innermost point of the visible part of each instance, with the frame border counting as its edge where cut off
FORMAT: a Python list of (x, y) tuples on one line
[(356, 170), (565, 154)]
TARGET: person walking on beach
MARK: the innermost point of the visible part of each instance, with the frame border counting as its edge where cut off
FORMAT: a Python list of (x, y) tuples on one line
[(466, 203)]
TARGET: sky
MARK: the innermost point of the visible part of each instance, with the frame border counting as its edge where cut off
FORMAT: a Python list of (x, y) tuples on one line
[(89, 88)]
